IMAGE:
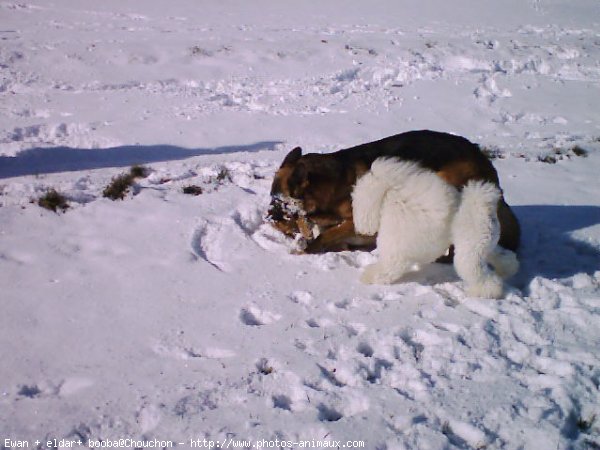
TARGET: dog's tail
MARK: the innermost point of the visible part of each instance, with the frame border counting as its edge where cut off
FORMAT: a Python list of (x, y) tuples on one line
[(370, 190), (475, 233)]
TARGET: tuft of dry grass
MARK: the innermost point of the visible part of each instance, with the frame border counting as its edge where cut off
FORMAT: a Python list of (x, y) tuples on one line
[(560, 154), (492, 152), (548, 159), (192, 189), (579, 151), (264, 367), (53, 200), (119, 185), (139, 171), (224, 175)]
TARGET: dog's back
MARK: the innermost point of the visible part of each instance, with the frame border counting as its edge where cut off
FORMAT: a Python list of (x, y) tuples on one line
[(456, 158)]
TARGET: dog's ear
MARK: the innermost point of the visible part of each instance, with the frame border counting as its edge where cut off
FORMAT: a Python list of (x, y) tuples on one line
[(292, 157)]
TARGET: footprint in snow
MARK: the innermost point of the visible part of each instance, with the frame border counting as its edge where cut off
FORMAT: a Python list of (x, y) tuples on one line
[(355, 329), (183, 350), (201, 246), (222, 242), (329, 414), (252, 315), (301, 297), (348, 403), (73, 385), (375, 370), (322, 322), (248, 218), (365, 349), (148, 417)]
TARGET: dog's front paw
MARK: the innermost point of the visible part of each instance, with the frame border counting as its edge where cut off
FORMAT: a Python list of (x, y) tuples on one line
[(368, 276), (298, 247), (314, 246), (374, 275), (491, 287)]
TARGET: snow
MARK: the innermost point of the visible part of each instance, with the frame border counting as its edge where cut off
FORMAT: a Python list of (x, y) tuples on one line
[(178, 317)]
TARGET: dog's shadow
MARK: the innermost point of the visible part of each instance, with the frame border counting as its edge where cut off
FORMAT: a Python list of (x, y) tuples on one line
[(553, 244), (550, 246)]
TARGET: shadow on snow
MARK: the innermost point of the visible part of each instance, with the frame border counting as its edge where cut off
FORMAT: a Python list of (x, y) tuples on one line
[(64, 159), (549, 245)]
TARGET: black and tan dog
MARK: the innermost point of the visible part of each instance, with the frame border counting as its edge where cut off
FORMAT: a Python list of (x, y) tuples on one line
[(311, 194)]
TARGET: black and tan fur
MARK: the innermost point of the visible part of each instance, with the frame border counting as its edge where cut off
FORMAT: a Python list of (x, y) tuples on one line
[(323, 184)]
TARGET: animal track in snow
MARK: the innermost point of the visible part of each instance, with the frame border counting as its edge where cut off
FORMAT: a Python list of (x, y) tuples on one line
[(355, 329), (328, 414), (74, 385), (249, 219), (282, 402), (66, 134), (178, 348), (221, 243), (196, 403), (344, 304), (272, 240), (344, 403), (252, 315), (148, 417), (301, 297), (314, 322), (365, 349), (201, 244), (374, 371)]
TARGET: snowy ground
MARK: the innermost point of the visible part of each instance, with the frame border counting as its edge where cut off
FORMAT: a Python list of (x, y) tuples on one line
[(181, 317)]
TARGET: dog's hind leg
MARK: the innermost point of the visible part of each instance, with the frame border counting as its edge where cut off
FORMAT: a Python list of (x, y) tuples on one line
[(504, 262), (475, 233)]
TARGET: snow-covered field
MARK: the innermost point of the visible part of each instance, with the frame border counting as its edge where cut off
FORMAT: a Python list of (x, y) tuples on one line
[(178, 317)]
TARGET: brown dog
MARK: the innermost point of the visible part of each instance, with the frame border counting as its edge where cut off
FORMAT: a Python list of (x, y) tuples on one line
[(311, 194)]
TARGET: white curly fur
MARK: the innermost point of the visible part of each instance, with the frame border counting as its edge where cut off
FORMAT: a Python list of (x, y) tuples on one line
[(417, 216)]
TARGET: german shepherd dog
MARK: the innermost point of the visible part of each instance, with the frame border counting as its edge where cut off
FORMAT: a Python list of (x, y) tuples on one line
[(311, 195)]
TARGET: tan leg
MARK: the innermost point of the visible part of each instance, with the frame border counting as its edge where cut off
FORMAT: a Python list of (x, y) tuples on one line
[(336, 238)]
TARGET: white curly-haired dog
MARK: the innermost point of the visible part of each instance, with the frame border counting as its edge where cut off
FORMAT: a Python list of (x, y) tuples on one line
[(418, 215)]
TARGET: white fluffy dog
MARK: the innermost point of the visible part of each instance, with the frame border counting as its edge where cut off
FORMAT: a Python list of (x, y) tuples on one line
[(418, 215)]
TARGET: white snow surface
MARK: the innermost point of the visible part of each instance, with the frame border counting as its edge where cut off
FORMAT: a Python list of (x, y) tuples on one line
[(180, 317)]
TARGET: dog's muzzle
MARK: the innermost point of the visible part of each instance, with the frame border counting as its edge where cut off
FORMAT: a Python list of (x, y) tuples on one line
[(287, 214)]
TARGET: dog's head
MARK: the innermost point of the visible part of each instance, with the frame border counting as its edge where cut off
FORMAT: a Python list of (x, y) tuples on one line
[(308, 186), (287, 211)]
